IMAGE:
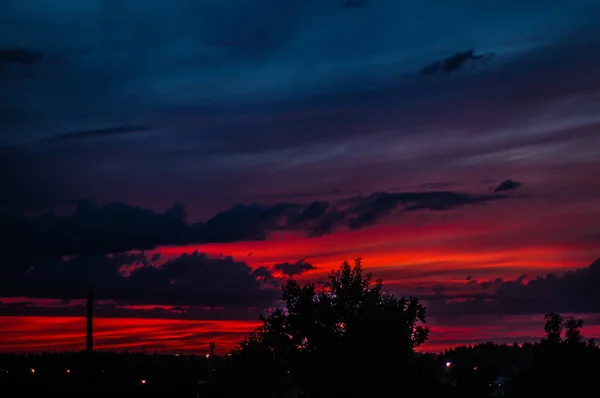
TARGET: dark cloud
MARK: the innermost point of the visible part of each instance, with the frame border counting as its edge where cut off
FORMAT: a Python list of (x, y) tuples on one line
[(438, 185), (265, 275), (111, 309), (327, 223), (251, 222), (19, 56), (507, 185), (93, 229), (368, 210), (363, 211), (573, 291), (134, 279), (456, 62), (314, 211), (118, 227), (354, 3), (108, 131), (293, 269), (27, 179)]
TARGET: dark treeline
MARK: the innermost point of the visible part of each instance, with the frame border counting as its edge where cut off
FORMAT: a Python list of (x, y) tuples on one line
[(348, 338), (134, 374)]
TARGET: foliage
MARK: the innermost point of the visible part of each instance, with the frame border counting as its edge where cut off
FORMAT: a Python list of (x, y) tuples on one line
[(349, 326), (562, 364), (553, 327), (573, 331), (567, 366)]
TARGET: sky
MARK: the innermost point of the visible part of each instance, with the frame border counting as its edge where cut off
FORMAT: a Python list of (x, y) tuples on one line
[(185, 158)]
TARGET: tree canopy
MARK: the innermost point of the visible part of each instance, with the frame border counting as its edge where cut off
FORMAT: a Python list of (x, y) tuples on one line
[(562, 366), (348, 327)]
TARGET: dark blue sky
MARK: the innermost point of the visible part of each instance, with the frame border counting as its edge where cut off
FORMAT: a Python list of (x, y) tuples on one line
[(241, 95)]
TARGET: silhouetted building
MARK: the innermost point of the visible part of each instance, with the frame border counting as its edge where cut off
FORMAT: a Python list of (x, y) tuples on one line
[(89, 338)]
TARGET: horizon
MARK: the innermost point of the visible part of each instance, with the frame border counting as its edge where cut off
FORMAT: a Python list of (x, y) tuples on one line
[(186, 160), (169, 336)]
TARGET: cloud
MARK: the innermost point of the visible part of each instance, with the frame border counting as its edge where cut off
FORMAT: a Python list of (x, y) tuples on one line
[(456, 62), (111, 309), (194, 280), (507, 185), (92, 229), (27, 179), (293, 269), (313, 212), (354, 3), (249, 222), (118, 227), (573, 291), (103, 132), (438, 185), (19, 56), (366, 211), (128, 66), (129, 58), (326, 224)]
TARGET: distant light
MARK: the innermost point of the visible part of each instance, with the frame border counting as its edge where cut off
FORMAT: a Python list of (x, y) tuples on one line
[(448, 364), (177, 355), (475, 368), (207, 356), (68, 371), (229, 354), (32, 370), (143, 381)]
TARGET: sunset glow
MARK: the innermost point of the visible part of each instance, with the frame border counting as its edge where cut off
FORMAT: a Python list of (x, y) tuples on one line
[(38, 334)]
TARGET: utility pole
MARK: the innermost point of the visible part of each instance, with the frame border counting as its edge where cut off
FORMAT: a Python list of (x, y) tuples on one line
[(89, 338)]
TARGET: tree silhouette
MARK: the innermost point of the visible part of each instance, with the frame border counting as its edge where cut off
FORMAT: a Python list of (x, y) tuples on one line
[(561, 367), (553, 327), (351, 325), (573, 331)]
